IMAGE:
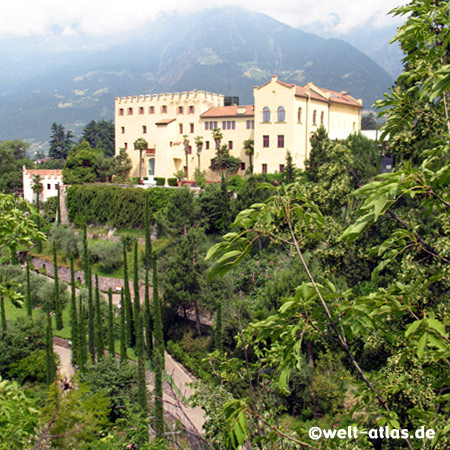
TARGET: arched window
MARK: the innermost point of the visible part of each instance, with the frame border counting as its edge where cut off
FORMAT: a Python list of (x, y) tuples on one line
[(281, 113), (299, 115), (322, 115), (314, 117), (266, 114)]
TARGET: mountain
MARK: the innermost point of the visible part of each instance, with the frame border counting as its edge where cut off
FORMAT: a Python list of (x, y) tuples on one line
[(223, 50)]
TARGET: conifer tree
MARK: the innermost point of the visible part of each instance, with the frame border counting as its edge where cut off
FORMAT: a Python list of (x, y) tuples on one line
[(142, 381), (148, 323), (225, 219), (88, 284), (58, 309), (100, 346), (136, 299), (123, 339), (158, 358), (289, 171), (3, 315), (218, 332), (148, 240), (29, 303), (58, 207), (127, 300), (74, 327), (82, 335), (111, 346), (157, 317), (49, 357), (318, 156)]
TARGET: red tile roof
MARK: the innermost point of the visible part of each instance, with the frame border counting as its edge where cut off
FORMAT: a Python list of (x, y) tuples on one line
[(229, 111), (164, 121)]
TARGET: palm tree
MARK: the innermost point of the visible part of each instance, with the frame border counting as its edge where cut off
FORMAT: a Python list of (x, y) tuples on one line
[(217, 136), (186, 152), (140, 144), (199, 144), (249, 147)]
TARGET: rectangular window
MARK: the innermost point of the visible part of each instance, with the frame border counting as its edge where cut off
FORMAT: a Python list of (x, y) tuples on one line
[(125, 145), (190, 150), (121, 112), (264, 168), (49, 186), (230, 145), (130, 111), (281, 141), (151, 110), (207, 145), (181, 128), (206, 125), (144, 129), (265, 141), (164, 109), (224, 125), (180, 110), (141, 110), (233, 125), (250, 124), (281, 168), (242, 165), (215, 124), (56, 186), (123, 130), (191, 109), (192, 127)]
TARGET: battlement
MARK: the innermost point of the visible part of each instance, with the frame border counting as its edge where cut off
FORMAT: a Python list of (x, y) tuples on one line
[(170, 96)]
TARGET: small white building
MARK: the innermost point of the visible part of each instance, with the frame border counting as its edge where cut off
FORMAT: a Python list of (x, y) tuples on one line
[(50, 179)]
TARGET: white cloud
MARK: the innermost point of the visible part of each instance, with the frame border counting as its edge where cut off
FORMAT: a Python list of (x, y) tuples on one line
[(109, 17)]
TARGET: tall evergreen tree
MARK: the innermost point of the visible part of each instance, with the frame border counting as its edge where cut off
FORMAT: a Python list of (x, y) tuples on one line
[(127, 300), (29, 302), (225, 219), (158, 358), (3, 315), (60, 142), (136, 299), (123, 338), (49, 356), (148, 239), (74, 327), (58, 207), (58, 308), (218, 332), (82, 335), (100, 346), (111, 346), (318, 156), (148, 323), (289, 171), (157, 316), (88, 284)]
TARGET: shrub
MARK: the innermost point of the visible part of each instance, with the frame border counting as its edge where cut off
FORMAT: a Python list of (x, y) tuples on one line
[(160, 181), (113, 205), (108, 254), (66, 240), (172, 181)]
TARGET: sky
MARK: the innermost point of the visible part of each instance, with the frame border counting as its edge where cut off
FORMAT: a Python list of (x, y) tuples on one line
[(41, 18)]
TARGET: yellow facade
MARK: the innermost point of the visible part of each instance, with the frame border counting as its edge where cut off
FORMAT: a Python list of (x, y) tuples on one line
[(282, 119)]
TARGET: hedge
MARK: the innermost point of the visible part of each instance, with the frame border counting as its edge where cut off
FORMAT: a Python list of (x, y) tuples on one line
[(172, 181), (160, 181), (114, 206)]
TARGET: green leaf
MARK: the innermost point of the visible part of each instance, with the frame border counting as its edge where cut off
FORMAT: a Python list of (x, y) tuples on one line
[(421, 345), (412, 328)]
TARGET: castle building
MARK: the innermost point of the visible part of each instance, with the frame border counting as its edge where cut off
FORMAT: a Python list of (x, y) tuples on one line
[(283, 118), (50, 180)]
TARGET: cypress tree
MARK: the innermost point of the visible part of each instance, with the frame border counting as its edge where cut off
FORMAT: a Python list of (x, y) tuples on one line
[(3, 315), (38, 221), (49, 357), (82, 335), (225, 219), (218, 335), (136, 300), (123, 339), (158, 327), (142, 381), (74, 328), (29, 303), (58, 207), (111, 347), (98, 323), (58, 309), (148, 325), (127, 300), (148, 240), (91, 316)]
